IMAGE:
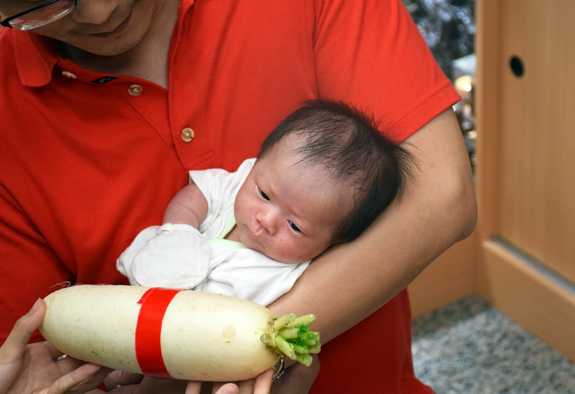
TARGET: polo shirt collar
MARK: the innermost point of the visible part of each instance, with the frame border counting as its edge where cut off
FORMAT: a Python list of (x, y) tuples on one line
[(35, 58)]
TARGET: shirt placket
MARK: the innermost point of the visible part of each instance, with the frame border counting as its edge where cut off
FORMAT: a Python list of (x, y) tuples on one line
[(149, 100)]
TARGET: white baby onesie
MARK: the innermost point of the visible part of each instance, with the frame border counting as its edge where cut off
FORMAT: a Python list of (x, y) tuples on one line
[(179, 256)]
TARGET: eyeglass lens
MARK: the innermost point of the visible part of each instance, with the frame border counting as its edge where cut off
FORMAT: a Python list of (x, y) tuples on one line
[(44, 15)]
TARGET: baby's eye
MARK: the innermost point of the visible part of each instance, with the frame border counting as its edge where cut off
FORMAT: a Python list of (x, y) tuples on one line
[(294, 227), (264, 196)]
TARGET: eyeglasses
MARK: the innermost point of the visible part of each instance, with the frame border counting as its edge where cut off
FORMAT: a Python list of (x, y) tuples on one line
[(40, 15)]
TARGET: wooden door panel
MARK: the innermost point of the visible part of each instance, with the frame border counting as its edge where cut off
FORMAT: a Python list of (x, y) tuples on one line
[(537, 171)]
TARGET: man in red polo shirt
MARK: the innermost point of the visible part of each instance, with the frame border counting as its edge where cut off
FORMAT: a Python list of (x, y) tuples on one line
[(107, 104)]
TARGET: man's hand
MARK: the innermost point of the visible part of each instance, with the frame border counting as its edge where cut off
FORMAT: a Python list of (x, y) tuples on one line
[(297, 379), (259, 385), (121, 378), (129, 384), (35, 368)]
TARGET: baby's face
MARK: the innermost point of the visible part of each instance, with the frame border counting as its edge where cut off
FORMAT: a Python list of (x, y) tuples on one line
[(289, 212)]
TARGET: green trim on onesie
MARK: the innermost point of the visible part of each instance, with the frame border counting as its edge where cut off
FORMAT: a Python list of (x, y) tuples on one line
[(228, 227), (220, 240), (226, 242)]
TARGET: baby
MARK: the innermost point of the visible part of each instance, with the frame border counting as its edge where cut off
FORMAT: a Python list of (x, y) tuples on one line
[(321, 178)]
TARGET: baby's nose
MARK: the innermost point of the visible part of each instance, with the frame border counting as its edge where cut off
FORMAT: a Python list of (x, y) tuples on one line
[(267, 221)]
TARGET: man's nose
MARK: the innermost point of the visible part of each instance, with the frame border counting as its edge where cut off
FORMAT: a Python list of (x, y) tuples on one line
[(94, 12)]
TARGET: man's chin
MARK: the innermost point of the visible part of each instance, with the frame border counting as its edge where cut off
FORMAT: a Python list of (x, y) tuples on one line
[(108, 50)]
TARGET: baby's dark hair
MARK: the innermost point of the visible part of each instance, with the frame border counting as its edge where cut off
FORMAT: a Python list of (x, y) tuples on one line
[(352, 148)]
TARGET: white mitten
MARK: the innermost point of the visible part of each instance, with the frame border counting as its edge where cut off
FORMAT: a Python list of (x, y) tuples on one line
[(126, 259), (177, 256)]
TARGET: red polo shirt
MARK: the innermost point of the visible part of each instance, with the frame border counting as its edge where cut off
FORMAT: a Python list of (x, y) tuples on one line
[(87, 160)]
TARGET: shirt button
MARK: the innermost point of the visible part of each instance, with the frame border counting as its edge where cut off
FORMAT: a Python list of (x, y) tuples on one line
[(68, 74), (135, 90), (187, 134)]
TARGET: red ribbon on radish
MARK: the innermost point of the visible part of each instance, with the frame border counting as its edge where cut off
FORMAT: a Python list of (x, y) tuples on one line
[(154, 302)]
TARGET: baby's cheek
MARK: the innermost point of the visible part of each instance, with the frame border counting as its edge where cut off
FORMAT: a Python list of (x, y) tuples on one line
[(283, 248)]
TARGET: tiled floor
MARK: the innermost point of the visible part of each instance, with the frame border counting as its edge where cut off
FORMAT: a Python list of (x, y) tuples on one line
[(470, 348)]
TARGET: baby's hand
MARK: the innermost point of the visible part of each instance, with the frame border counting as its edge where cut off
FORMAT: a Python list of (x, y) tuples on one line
[(177, 256)]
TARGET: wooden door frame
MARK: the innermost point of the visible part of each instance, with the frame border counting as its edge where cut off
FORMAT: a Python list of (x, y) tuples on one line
[(481, 264), (506, 280)]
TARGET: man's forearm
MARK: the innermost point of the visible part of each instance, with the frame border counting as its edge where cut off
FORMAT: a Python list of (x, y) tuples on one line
[(438, 208)]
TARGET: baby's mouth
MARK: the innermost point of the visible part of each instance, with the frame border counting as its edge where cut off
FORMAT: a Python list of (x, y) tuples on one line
[(253, 235)]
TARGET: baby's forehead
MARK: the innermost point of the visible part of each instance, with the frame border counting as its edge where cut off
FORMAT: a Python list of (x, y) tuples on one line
[(324, 173), (337, 194)]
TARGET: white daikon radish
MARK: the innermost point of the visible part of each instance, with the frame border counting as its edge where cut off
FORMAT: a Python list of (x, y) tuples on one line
[(181, 334)]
